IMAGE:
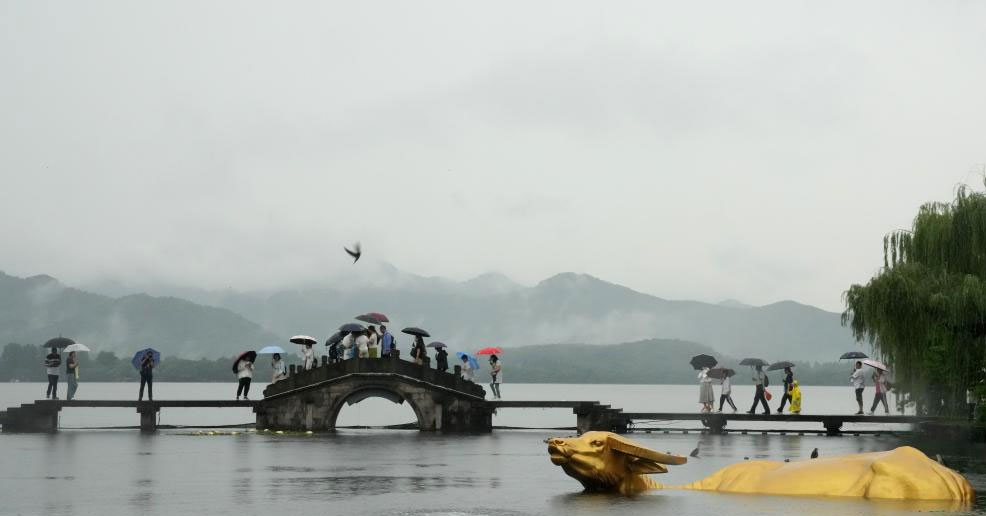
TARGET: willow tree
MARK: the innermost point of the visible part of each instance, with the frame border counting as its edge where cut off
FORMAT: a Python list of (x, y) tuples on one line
[(925, 311)]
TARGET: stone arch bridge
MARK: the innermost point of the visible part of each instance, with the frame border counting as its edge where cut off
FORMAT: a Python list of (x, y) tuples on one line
[(312, 400)]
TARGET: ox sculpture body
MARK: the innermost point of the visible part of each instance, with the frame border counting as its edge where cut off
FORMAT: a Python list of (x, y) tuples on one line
[(606, 462)]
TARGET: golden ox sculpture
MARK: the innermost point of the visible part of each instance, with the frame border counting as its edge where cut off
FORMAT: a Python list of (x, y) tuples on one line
[(603, 461)]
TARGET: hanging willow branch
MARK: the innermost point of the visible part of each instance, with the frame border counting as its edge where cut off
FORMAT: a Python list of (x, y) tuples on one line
[(925, 311)]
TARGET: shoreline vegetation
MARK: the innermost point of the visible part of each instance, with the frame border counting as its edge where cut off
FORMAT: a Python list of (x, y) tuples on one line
[(652, 362)]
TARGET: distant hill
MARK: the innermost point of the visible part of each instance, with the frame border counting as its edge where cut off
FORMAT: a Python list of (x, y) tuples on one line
[(566, 308), (35, 309)]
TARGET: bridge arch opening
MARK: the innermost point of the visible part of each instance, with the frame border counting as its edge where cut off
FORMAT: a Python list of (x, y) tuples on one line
[(375, 406)]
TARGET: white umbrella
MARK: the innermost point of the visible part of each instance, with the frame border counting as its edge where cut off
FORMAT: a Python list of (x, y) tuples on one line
[(875, 364), (76, 347)]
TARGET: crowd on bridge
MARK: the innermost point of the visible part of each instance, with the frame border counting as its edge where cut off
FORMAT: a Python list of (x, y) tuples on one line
[(355, 341), (791, 396)]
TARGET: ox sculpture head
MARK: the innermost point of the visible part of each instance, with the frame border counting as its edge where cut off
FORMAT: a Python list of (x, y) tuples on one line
[(602, 461)]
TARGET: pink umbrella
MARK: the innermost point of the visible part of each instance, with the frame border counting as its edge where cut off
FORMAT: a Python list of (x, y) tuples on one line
[(875, 364)]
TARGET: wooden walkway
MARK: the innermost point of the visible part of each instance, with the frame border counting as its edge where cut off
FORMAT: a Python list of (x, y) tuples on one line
[(42, 416)]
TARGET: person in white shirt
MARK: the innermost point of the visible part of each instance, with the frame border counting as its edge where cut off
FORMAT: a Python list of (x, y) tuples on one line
[(727, 393), (705, 395), (363, 345), (858, 384), (347, 345), (467, 370), (373, 346), (244, 372), (496, 373), (309, 355), (280, 372)]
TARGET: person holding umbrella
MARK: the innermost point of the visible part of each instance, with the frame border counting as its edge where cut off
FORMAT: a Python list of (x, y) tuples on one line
[(72, 374), (441, 356), (495, 372), (418, 350), (788, 382), (467, 366), (373, 345), (51, 363), (858, 382), (146, 362), (760, 380), (243, 367), (705, 395), (880, 388)]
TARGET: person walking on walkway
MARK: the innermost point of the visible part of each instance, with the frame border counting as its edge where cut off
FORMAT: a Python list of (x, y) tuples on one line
[(244, 375), (308, 352), (795, 398), (788, 380), (496, 371), (52, 361), (726, 395), (858, 382), (705, 395), (760, 380), (72, 374), (880, 388), (147, 376), (280, 371)]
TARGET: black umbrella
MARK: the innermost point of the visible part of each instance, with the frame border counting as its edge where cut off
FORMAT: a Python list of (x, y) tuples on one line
[(721, 372), (334, 339), (352, 328), (250, 356), (368, 318), (753, 362), (59, 342), (411, 330), (780, 365), (853, 354), (303, 339), (437, 344), (700, 361)]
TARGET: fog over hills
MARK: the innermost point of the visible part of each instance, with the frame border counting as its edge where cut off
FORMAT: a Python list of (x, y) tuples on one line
[(35, 309), (565, 308)]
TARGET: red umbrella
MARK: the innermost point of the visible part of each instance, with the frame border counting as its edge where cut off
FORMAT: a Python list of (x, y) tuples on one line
[(379, 316), (490, 351)]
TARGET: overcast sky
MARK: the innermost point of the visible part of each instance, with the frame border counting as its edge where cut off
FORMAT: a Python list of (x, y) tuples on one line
[(696, 150)]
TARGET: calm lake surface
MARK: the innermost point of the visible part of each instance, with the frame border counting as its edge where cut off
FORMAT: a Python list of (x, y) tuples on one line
[(395, 472)]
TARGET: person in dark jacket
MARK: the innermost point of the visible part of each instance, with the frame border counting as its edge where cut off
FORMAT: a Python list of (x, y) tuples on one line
[(147, 376), (441, 359), (788, 382), (52, 361)]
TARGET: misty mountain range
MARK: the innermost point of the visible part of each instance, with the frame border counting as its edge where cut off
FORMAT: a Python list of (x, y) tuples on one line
[(487, 310)]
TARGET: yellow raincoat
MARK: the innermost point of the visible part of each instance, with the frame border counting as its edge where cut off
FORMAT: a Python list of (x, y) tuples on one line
[(795, 398)]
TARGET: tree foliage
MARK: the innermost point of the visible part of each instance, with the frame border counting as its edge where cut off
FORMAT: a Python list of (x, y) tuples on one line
[(925, 311)]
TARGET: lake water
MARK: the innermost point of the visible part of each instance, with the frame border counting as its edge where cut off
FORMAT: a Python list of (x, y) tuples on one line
[(395, 472)]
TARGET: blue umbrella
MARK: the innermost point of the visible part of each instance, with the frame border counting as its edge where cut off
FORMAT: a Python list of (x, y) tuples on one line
[(270, 350), (472, 360), (139, 357)]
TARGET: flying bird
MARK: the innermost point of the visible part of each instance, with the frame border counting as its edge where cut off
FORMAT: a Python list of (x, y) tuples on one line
[(694, 452), (355, 254), (814, 453)]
